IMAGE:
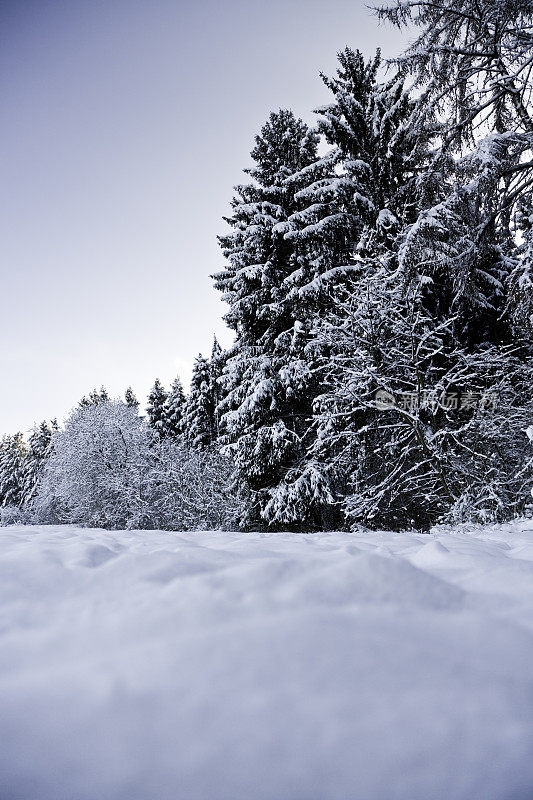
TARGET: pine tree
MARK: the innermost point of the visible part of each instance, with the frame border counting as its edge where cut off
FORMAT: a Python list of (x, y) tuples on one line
[(95, 397), (156, 408), (12, 457), (131, 399), (199, 414), (216, 368), (174, 409), (368, 184), (37, 454), (357, 198), (336, 199), (268, 398)]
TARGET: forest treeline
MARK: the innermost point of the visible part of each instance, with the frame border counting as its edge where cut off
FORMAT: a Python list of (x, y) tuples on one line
[(380, 291)]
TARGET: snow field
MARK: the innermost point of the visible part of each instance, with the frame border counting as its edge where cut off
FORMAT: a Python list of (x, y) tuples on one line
[(218, 666)]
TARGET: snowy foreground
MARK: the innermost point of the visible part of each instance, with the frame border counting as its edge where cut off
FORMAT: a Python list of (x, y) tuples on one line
[(161, 666)]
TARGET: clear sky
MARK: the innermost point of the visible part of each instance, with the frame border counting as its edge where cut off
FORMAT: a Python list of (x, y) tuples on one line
[(124, 125)]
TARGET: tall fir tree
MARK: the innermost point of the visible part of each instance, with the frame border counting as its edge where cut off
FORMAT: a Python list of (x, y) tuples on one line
[(37, 454), (267, 383), (156, 408), (174, 409), (199, 414), (354, 202), (95, 397), (216, 368), (131, 399), (12, 458)]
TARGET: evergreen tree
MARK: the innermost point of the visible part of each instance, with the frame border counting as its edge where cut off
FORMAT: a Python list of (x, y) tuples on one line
[(12, 457), (102, 396), (156, 408), (37, 454), (95, 397), (259, 257), (357, 198), (347, 208), (131, 399), (216, 366), (267, 383), (336, 198), (199, 415), (368, 184), (174, 409)]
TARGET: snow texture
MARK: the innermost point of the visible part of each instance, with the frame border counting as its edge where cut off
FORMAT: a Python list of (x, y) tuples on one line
[(219, 666)]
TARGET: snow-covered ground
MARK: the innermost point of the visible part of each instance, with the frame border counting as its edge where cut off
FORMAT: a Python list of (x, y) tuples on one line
[(210, 666)]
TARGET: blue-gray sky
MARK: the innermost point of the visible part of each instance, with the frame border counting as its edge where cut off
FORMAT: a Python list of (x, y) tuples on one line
[(125, 124)]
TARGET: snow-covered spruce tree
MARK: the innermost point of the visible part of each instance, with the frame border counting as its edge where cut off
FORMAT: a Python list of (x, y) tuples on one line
[(334, 193), (156, 408), (345, 205), (37, 454), (131, 399), (199, 414), (267, 382), (100, 397), (12, 457), (354, 202), (369, 183), (201, 418), (95, 397), (216, 369), (174, 409)]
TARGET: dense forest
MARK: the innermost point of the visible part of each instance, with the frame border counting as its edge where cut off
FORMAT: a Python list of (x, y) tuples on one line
[(379, 283)]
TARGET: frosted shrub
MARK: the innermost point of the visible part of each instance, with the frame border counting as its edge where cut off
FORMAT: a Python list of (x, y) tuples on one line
[(108, 469), (11, 515)]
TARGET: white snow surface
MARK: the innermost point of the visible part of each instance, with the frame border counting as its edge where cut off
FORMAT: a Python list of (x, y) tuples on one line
[(219, 666)]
